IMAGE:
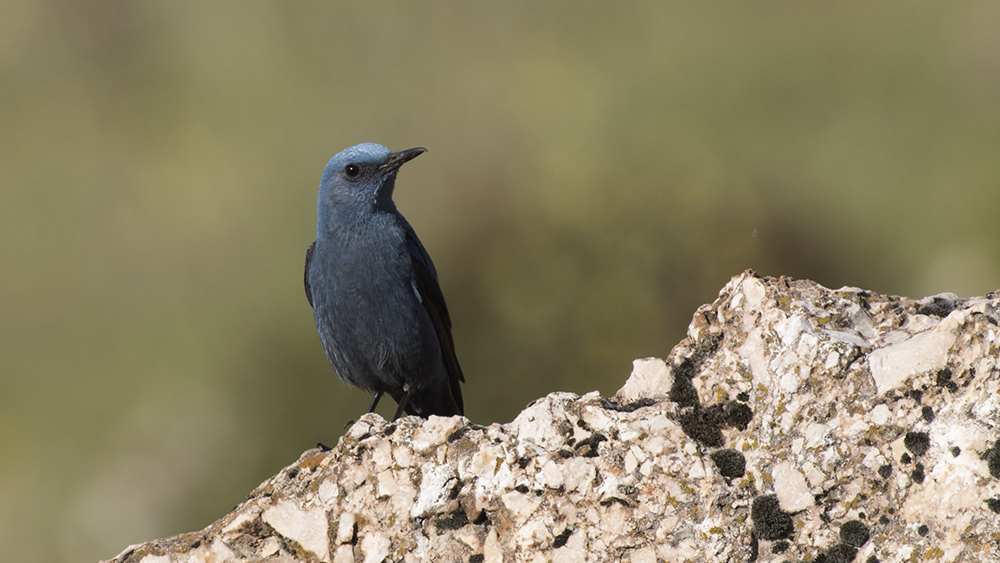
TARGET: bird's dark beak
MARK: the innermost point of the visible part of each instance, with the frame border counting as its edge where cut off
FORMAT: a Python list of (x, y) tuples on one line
[(397, 159)]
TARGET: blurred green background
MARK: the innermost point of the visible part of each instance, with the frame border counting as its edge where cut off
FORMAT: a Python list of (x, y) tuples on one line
[(596, 171)]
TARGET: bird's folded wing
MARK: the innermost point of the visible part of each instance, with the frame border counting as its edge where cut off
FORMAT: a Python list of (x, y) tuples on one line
[(309, 255), (433, 301)]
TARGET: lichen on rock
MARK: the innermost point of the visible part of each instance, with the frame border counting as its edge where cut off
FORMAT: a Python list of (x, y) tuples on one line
[(794, 422)]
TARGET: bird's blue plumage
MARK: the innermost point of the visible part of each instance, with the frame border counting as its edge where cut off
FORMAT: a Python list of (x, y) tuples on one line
[(379, 310)]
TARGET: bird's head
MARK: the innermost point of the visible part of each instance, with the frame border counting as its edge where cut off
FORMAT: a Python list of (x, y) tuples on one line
[(362, 177)]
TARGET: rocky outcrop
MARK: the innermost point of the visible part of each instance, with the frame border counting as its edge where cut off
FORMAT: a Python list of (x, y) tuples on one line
[(794, 423)]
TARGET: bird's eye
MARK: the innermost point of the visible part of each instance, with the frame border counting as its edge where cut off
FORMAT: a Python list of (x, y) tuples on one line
[(352, 170)]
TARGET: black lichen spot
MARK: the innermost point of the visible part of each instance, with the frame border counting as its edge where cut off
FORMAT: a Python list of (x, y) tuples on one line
[(754, 548), (566, 454), (905, 458), (943, 379), (939, 307), (612, 500), (292, 473), (994, 504), (523, 462), (452, 521), (743, 396), (458, 433), (884, 520), (915, 394), (613, 405), (731, 463), (780, 547), (872, 559), (562, 538), (588, 446), (918, 473), (885, 471), (523, 489), (923, 530), (841, 553), (704, 425), (993, 460), (955, 451), (682, 391), (854, 532), (738, 415), (927, 413), (917, 442), (769, 521), (477, 558), (389, 429)]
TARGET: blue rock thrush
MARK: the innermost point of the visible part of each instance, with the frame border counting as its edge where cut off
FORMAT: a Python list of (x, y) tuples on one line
[(374, 292)]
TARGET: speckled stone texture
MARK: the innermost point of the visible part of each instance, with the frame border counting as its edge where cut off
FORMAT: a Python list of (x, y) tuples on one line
[(794, 423)]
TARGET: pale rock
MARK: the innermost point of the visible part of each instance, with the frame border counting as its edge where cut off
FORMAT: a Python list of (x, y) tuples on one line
[(650, 378), (520, 505), (434, 432), (578, 474), (435, 489), (374, 546), (492, 551), (643, 555), (575, 550), (821, 375), (790, 486), (386, 484), (328, 492), (344, 554), (927, 351), (880, 414), (551, 475), (220, 552), (382, 456), (345, 527), (306, 526), (269, 547)]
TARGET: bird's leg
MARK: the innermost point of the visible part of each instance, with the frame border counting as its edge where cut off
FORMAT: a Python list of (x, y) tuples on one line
[(404, 400), (375, 399), (370, 409)]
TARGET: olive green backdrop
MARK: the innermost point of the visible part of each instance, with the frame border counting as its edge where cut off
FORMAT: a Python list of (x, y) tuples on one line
[(595, 172)]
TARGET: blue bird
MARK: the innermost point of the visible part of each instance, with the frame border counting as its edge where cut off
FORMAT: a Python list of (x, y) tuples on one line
[(374, 291)]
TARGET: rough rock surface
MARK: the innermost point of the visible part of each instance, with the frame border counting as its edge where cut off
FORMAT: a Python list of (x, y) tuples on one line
[(794, 423)]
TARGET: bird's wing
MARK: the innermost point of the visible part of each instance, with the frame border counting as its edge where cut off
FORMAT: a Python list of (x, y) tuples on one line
[(309, 256), (433, 301)]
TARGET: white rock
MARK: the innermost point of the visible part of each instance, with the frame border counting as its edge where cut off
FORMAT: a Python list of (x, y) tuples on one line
[(520, 505), (306, 526), (492, 551), (374, 546), (790, 486), (880, 414), (434, 432), (345, 527), (386, 484), (344, 554), (892, 365), (643, 555), (650, 377), (436, 487)]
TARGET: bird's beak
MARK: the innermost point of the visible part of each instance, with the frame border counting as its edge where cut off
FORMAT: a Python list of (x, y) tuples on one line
[(397, 159)]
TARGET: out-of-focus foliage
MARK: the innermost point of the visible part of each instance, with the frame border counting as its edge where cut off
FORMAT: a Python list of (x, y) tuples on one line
[(596, 171)]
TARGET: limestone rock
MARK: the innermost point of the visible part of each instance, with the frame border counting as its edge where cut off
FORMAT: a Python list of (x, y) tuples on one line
[(793, 422)]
